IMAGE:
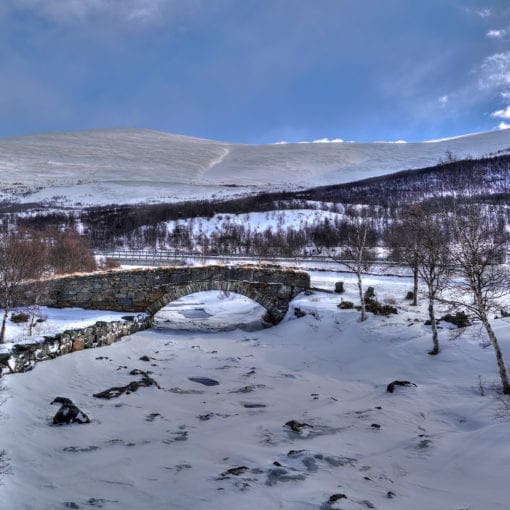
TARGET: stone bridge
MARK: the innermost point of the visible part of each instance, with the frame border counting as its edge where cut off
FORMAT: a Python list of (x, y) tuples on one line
[(149, 290)]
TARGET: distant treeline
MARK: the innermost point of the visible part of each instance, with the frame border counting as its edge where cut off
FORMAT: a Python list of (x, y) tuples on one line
[(485, 181)]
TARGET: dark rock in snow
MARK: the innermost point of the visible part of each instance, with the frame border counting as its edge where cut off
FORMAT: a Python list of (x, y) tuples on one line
[(99, 502), (296, 426), (68, 412), (71, 504), (424, 443), (235, 471), (375, 426), (391, 387), (117, 391), (339, 287), (280, 474), (137, 371), (144, 358), (78, 449), (178, 436), (293, 453), (370, 293), (254, 406), (335, 497), (204, 380), (244, 389), (298, 312)]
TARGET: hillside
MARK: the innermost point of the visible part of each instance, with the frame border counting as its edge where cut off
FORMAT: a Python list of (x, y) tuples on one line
[(135, 165)]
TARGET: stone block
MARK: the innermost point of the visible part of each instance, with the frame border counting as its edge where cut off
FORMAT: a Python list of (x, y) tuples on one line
[(78, 344)]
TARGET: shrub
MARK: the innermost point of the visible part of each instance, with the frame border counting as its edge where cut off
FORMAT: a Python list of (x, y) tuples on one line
[(18, 318), (373, 306), (69, 253), (460, 319)]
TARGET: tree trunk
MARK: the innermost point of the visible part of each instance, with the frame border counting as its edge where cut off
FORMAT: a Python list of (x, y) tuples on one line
[(415, 286), (433, 324), (361, 297), (4, 323), (499, 356), (33, 312)]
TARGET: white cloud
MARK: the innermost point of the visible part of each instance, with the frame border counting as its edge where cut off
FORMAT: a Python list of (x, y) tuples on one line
[(483, 13), (496, 34), (502, 114), (327, 140), (337, 140), (443, 100), (503, 125), (495, 71), (76, 11), (391, 141)]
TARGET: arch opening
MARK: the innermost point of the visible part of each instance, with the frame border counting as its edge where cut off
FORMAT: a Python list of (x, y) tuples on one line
[(211, 311)]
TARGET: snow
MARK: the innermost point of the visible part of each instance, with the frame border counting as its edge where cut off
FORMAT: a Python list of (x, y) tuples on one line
[(107, 166), (440, 445)]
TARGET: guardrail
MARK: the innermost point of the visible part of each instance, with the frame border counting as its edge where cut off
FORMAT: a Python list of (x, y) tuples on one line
[(167, 256)]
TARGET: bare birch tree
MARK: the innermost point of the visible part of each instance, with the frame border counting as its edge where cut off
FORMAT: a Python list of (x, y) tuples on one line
[(434, 266), (18, 262), (357, 254), (480, 249), (40, 267), (404, 238)]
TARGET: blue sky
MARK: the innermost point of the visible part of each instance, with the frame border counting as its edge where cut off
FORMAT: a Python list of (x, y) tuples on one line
[(256, 71)]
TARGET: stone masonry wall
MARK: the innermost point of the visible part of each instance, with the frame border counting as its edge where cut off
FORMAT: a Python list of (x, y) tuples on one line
[(24, 356)]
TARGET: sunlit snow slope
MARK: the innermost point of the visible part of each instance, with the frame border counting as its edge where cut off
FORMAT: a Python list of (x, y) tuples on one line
[(134, 165)]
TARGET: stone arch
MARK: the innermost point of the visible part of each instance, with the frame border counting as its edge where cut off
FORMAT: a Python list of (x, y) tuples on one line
[(265, 295)]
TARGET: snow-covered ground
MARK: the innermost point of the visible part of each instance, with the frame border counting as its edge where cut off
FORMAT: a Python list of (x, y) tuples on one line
[(107, 166), (438, 446)]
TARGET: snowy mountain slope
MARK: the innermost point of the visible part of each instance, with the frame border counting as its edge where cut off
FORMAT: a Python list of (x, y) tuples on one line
[(135, 165)]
